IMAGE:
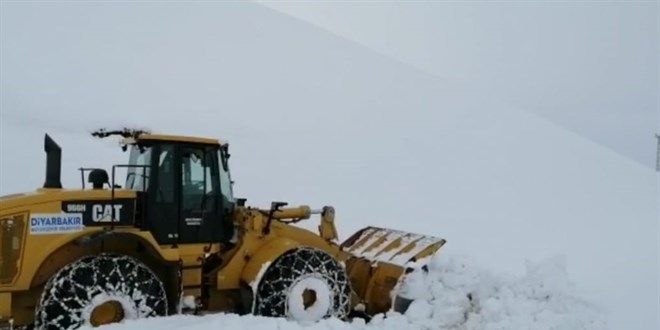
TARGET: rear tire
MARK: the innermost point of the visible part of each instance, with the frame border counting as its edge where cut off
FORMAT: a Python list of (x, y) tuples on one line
[(304, 284), (97, 285)]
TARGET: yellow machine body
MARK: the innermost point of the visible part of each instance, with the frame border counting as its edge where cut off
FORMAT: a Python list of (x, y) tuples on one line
[(44, 232)]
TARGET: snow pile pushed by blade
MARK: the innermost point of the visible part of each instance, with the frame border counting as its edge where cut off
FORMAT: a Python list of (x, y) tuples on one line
[(455, 295), (452, 295)]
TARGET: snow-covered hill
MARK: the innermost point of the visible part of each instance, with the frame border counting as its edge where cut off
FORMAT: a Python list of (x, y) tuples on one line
[(315, 119)]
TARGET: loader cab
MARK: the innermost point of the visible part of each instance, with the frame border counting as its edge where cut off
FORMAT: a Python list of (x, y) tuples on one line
[(185, 187)]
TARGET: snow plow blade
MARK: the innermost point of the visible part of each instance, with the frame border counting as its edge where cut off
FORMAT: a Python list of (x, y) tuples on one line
[(380, 260)]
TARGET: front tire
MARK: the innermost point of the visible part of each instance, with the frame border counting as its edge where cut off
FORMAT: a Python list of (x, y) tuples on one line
[(100, 289), (304, 284)]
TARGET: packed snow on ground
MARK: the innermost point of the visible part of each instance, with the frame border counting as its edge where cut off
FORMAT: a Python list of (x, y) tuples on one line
[(454, 295)]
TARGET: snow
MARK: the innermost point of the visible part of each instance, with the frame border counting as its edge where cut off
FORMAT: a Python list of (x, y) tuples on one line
[(455, 294), (126, 301), (315, 119), (187, 303), (257, 279), (382, 245), (321, 304)]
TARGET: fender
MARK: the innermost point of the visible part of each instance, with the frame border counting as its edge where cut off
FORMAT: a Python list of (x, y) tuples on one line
[(102, 241), (147, 240), (266, 254)]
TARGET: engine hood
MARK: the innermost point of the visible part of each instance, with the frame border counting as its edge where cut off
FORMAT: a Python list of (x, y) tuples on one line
[(52, 195)]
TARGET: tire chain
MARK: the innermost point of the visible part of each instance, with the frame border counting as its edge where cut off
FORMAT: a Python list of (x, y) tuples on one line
[(272, 290), (74, 286)]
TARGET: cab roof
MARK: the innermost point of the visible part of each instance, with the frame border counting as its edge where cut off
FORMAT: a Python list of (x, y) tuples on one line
[(178, 138)]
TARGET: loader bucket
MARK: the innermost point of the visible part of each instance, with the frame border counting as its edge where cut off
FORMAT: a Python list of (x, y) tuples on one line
[(379, 260)]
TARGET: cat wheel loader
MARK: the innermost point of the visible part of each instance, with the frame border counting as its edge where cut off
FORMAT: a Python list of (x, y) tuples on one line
[(173, 239)]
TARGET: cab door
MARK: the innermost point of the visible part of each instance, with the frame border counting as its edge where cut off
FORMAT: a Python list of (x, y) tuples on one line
[(163, 199), (200, 217)]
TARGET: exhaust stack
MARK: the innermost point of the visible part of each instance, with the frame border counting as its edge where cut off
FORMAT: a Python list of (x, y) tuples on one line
[(53, 163)]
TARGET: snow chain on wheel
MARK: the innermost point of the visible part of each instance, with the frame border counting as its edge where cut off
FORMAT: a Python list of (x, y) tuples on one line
[(304, 284), (101, 288)]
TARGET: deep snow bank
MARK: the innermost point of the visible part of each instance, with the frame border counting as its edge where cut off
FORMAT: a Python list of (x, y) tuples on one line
[(454, 295)]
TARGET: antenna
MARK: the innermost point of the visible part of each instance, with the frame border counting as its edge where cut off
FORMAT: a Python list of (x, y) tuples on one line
[(125, 133), (657, 158)]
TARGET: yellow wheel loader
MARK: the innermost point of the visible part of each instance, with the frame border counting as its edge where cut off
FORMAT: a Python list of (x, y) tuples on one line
[(173, 239)]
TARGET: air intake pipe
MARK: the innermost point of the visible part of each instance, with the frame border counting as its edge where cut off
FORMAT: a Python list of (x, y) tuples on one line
[(53, 163)]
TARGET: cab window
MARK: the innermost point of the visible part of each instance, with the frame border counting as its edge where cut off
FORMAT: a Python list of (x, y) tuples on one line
[(199, 179)]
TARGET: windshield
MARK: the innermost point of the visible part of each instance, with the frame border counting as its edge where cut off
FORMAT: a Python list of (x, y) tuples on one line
[(137, 175)]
